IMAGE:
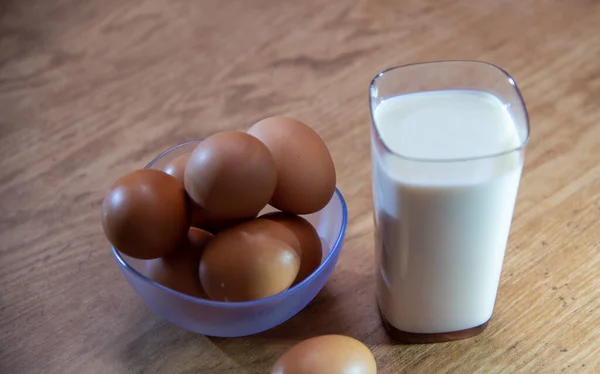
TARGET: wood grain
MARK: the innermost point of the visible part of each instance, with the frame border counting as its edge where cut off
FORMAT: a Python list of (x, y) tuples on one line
[(92, 89)]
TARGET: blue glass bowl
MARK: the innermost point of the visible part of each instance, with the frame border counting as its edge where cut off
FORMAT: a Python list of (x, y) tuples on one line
[(233, 319)]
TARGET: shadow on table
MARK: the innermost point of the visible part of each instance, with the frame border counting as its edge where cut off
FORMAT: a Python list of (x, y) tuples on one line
[(334, 310), (346, 305)]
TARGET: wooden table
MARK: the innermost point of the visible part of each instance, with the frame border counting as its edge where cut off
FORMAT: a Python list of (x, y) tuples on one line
[(92, 89)]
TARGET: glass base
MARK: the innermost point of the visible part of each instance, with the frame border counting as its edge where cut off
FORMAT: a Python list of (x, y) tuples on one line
[(420, 338)]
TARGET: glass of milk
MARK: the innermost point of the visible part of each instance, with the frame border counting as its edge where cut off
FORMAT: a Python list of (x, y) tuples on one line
[(448, 141)]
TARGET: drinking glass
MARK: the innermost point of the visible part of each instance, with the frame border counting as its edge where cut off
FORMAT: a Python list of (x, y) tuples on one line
[(442, 222)]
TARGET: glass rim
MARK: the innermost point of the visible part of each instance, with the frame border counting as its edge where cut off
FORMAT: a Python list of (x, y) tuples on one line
[(510, 80)]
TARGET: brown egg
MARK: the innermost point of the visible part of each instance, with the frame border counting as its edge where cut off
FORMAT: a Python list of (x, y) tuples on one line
[(144, 215), (200, 218), (197, 240), (237, 266), (179, 270), (293, 230), (176, 167), (230, 175), (327, 354), (205, 221), (305, 169)]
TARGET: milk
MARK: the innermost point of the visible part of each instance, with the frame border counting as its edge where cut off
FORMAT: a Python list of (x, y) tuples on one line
[(442, 207)]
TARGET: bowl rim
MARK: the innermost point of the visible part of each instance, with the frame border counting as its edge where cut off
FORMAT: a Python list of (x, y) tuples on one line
[(241, 304)]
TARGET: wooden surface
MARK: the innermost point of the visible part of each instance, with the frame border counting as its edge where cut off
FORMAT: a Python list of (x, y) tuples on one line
[(92, 89)]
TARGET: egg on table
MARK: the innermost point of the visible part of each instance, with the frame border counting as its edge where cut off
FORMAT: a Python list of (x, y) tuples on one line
[(327, 354), (145, 214), (241, 266), (305, 170)]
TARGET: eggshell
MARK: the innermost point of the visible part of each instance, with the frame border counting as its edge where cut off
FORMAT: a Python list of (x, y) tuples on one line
[(305, 170), (327, 354), (179, 270), (197, 240), (144, 215), (238, 266), (176, 167), (230, 175), (293, 230), (200, 218), (212, 224)]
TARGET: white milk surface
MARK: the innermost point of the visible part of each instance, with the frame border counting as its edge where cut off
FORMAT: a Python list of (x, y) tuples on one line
[(442, 227)]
